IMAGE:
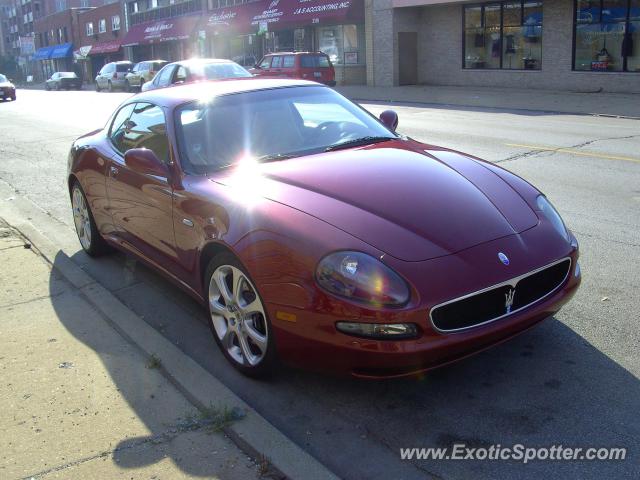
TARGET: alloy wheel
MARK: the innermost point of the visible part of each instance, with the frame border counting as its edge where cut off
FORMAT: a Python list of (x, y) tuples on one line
[(81, 218), (238, 316)]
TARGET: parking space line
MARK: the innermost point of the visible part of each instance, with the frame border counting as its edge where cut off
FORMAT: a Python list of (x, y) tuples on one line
[(574, 152)]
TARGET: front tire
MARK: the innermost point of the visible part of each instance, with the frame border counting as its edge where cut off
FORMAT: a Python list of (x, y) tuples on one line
[(110, 87), (97, 86), (127, 86), (88, 234), (238, 319)]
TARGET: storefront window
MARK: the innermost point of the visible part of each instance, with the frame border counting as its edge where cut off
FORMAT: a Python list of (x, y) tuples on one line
[(344, 44), (607, 36), (506, 35)]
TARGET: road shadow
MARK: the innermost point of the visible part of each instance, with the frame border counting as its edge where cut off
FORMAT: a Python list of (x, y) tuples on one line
[(176, 431), (548, 386)]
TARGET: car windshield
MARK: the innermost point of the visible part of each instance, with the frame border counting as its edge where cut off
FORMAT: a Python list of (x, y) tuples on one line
[(68, 75), (271, 125), (216, 71), (3, 78)]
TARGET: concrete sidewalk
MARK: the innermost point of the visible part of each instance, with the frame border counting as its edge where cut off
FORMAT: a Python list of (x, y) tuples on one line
[(584, 103), (80, 401)]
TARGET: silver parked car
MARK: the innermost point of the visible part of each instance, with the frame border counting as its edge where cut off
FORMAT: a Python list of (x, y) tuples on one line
[(196, 70), (113, 75), (142, 73)]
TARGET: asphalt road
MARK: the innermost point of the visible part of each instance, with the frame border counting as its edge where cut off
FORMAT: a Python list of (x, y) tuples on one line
[(574, 380)]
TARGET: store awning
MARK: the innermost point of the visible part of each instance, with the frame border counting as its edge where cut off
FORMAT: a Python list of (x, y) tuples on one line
[(43, 53), (160, 31), (281, 14), (62, 51), (105, 47)]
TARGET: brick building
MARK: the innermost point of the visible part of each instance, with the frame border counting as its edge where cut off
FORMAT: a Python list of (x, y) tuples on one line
[(101, 31), (552, 44)]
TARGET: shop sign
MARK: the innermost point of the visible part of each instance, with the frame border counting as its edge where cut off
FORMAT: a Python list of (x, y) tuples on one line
[(270, 15), (326, 7), (27, 45), (155, 31), (222, 18)]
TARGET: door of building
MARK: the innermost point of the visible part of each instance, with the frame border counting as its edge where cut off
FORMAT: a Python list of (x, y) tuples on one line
[(408, 58)]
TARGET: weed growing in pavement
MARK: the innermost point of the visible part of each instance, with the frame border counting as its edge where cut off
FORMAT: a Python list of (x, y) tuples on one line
[(154, 362), (213, 418)]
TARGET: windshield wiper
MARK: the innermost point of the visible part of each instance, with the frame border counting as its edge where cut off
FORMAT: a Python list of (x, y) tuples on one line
[(356, 142), (274, 157)]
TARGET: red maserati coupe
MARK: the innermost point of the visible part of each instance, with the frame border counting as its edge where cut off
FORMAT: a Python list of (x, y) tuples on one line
[(314, 233)]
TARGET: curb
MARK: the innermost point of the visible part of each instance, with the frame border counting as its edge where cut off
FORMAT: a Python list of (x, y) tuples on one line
[(433, 104), (253, 434)]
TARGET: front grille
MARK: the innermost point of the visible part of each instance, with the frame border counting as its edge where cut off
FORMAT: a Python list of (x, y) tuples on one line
[(491, 303)]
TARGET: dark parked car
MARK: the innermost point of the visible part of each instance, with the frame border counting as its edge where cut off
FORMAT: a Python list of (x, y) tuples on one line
[(63, 80), (307, 226), (196, 70), (7, 88), (142, 72), (113, 76), (314, 66)]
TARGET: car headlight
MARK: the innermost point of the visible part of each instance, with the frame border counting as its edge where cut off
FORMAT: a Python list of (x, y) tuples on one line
[(552, 215), (362, 278)]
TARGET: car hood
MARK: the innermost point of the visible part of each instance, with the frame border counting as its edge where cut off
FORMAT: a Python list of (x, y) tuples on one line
[(6, 84), (409, 203)]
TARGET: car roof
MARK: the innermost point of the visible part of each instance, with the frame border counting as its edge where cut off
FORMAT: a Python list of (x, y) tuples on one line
[(294, 53), (201, 61), (174, 96)]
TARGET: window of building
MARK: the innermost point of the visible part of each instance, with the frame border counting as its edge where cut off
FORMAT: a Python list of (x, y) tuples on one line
[(504, 35), (102, 25), (115, 22), (607, 35), (133, 7), (344, 44), (89, 26)]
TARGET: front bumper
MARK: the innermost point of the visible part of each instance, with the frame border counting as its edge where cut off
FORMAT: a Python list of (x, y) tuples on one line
[(313, 342)]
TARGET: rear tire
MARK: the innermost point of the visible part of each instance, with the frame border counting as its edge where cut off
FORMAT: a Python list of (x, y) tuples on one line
[(47, 87), (88, 235), (127, 86), (110, 86), (240, 324)]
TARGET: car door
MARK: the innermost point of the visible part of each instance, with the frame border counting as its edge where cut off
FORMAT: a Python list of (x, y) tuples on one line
[(265, 65), (164, 77), (276, 67), (141, 204)]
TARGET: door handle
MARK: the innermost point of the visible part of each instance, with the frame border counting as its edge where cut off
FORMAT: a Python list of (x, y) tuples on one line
[(114, 171)]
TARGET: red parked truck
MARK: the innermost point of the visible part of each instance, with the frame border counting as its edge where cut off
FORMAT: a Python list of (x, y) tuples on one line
[(314, 66)]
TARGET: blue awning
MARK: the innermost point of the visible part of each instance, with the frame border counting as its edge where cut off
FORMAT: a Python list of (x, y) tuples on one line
[(62, 51), (43, 53)]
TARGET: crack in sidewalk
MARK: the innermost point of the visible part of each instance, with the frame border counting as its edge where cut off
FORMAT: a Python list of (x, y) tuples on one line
[(159, 439)]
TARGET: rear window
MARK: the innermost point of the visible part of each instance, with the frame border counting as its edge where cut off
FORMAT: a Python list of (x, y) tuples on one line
[(215, 71), (68, 75), (314, 61), (122, 67)]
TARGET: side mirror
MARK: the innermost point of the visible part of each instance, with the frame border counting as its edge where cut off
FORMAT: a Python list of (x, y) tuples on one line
[(143, 160), (390, 119)]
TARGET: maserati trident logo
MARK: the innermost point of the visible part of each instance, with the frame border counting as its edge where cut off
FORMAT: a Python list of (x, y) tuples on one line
[(503, 258), (508, 297)]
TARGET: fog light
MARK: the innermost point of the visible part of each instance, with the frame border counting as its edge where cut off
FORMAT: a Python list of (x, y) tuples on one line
[(382, 331)]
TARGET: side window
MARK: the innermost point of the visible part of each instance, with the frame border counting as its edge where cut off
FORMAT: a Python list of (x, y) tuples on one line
[(277, 62), (146, 128), (181, 75), (289, 61), (164, 77), (116, 132), (266, 62)]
